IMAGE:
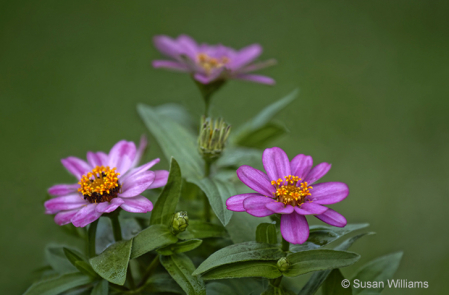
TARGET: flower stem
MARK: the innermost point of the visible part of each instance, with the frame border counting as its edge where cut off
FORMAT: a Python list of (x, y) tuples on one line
[(91, 234), (206, 106), (206, 204), (285, 245), (276, 282), (116, 228), (150, 270)]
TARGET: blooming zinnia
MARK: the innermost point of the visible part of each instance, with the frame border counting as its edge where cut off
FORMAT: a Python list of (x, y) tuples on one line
[(105, 182), (208, 63), (287, 189)]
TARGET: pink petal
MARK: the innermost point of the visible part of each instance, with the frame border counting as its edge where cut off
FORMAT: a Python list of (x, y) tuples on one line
[(276, 163), (189, 46), (136, 184), (294, 228), (64, 203), (108, 207), (317, 172), (256, 180), (171, 65), (86, 215), (235, 203), (256, 206), (310, 209), (160, 180), (138, 204), (301, 165), (329, 192), (76, 166), (140, 150), (122, 156), (280, 208), (97, 159), (166, 45), (258, 66), (139, 169), (63, 189), (255, 78), (332, 217), (65, 217), (246, 55)]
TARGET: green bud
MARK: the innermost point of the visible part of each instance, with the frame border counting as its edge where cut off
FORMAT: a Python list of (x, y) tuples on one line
[(212, 138), (283, 264), (180, 222)]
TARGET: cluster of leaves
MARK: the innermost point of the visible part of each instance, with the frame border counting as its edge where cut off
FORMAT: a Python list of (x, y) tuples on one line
[(209, 256)]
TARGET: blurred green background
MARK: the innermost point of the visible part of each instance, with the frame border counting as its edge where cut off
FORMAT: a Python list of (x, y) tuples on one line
[(374, 102)]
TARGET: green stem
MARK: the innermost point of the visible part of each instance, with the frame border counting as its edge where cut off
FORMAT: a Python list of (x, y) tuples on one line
[(285, 245), (150, 270), (116, 228), (206, 105), (206, 205), (276, 282), (91, 234)]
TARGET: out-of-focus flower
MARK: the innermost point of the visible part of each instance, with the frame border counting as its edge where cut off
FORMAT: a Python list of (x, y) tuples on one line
[(105, 182), (209, 63), (286, 189)]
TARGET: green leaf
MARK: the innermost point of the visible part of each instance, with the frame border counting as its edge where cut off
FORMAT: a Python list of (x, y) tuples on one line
[(238, 156), (102, 288), (162, 282), (79, 261), (266, 233), (263, 117), (180, 267), (179, 114), (166, 203), (265, 269), (242, 227), (86, 268), (152, 237), (201, 230), (180, 247), (175, 140), (377, 270), (73, 256), (317, 278), (321, 235), (55, 256), (235, 287), (321, 259), (332, 285), (217, 192), (272, 290), (59, 284), (238, 253), (260, 137), (112, 264)]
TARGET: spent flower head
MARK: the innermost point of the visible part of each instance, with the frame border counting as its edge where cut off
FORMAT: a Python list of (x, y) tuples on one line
[(105, 182), (209, 63), (212, 138), (288, 188)]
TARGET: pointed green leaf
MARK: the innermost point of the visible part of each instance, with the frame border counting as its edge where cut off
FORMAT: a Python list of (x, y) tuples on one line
[(180, 267), (265, 269), (238, 253), (102, 288), (321, 259), (238, 156), (332, 285), (73, 256), (266, 233), (162, 282), (79, 261), (112, 264), (180, 247), (317, 278), (179, 114), (380, 269), (175, 141), (272, 290), (152, 237), (244, 286), (260, 137), (55, 256), (86, 268), (201, 230), (59, 284), (166, 203)]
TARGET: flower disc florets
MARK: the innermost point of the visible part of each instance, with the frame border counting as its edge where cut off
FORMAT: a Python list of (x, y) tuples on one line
[(209, 63), (100, 185), (291, 190)]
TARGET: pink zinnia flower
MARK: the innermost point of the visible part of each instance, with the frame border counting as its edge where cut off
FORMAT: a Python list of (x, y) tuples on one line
[(287, 189), (208, 63), (105, 182)]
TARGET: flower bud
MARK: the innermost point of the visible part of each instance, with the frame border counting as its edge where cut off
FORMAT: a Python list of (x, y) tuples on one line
[(283, 264), (180, 222), (212, 138)]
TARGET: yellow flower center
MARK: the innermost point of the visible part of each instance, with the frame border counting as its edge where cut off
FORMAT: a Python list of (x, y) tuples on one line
[(100, 185), (209, 63), (289, 192)]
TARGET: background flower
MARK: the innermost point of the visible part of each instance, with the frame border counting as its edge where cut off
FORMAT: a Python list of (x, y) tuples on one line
[(208, 63), (286, 189), (119, 185)]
